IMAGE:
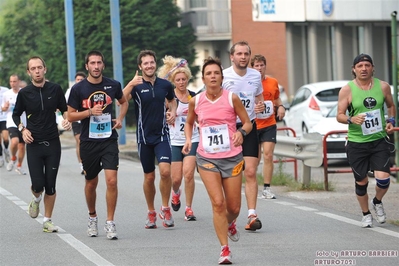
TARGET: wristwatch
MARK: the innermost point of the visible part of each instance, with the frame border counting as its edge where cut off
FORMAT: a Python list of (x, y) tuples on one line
[(349, 120), (242, 131), (21, 127)]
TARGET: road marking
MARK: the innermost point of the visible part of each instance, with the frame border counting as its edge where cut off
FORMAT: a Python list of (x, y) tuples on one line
[(357, 223), (304, 208), (338, 218), (286, 203), (67, 238), (84, 250)]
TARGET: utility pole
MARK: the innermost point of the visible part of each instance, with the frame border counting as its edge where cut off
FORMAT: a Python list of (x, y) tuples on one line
[(70, 41), (394, 38), (117, 58)]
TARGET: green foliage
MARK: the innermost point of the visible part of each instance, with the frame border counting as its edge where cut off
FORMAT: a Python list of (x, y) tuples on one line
[(281, 178), (37, 27)]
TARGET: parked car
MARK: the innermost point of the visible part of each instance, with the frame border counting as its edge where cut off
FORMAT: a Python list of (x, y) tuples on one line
[(335, 142), (311, 103)]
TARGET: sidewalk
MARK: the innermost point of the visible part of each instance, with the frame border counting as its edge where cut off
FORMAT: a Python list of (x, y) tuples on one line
[(343, 197)]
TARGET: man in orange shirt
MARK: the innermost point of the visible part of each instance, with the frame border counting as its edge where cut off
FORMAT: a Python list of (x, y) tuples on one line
[(266, 122)]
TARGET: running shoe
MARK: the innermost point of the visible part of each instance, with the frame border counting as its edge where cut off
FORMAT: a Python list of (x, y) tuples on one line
[(175, 201), (151, 219), (49, 227), (367, 221), (253, 223), (20, 171), (110, 229), (1, 161), (225, 255), (6, 155), (267, 194), (232, 232), (11, 165), (92, 227), (379, 212), (167, 218), (189, 215), (34, 208)]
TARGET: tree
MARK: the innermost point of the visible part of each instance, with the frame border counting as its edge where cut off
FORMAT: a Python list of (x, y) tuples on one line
[(37, 27)]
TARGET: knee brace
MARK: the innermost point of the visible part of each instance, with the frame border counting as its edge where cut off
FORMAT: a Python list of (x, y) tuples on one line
[(361, 190), (383, 183)]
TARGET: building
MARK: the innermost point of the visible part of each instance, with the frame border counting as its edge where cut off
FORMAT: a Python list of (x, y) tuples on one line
[(304, 41)]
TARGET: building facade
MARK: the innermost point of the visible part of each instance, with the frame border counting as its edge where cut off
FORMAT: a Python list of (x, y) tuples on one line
[(304, 41)]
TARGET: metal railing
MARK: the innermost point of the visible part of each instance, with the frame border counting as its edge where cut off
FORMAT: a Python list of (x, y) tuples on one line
[(338, 171), (289, 160)]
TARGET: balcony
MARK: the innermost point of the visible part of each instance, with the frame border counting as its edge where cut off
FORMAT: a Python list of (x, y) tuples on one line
[(209, 25)]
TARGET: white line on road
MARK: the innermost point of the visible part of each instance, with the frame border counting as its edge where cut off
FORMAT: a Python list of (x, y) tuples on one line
[(84, 250), (357, 223), (304, 208), (67, 238)]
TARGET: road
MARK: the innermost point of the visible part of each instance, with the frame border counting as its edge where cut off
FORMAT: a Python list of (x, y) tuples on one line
[(297, 229)]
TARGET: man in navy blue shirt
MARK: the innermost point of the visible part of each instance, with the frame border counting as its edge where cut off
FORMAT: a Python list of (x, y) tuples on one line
[(91, 102), (152, 114)]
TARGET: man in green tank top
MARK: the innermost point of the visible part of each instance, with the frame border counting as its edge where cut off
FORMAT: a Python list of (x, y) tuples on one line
[(368, 145)]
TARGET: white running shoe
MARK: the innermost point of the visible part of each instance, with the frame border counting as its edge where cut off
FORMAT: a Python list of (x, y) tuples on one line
[(110, 229), (379, 212), (11, 165), (267, 194), (34, 208), (20, 171), (92, 228), (367, 221), (49, 227)]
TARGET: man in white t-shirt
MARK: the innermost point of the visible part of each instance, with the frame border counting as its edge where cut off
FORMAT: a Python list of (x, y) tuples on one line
[(3, 132), (17, 144), (246, 83)]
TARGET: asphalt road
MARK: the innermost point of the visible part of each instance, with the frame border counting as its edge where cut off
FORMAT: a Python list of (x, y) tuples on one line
[(298, 228)]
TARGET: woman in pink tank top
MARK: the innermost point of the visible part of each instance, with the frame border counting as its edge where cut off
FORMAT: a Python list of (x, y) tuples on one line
[(219, 155)]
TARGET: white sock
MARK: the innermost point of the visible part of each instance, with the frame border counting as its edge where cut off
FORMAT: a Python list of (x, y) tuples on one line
[(45, 219), (251, 212), (38, 199)]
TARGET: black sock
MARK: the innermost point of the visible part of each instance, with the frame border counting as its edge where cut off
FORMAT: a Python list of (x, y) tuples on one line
[(376, 201), (365, 213), (265, 185)]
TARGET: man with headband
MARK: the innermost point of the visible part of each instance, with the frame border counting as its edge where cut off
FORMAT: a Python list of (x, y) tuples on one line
[(361, 106)]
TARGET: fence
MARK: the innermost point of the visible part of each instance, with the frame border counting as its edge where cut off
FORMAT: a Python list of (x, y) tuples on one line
[(338, 171)]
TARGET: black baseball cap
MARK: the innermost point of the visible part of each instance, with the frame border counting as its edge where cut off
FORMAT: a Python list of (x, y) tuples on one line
[(361, 58)]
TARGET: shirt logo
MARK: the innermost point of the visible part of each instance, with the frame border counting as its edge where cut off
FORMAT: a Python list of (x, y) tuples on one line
[(243, 95), (107, 87), (369, 102), (144, 90), (213, 130)]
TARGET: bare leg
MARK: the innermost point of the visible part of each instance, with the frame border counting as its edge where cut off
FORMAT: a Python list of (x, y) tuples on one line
[(112, 192), (91, 195), (165, 184), (149, 189)]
